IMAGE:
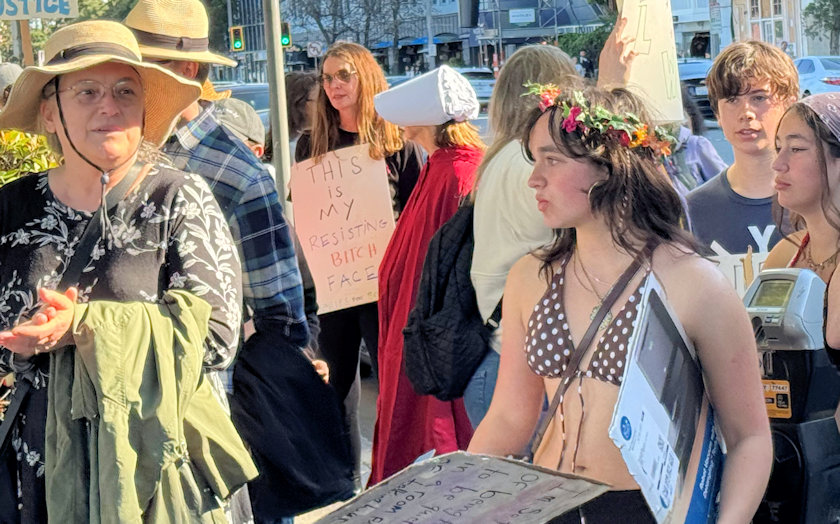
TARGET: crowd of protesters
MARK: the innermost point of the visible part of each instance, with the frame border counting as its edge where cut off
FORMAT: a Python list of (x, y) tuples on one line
[(161, 322)]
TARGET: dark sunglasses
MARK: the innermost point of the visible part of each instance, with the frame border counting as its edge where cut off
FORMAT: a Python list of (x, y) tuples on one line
[(342, 75)]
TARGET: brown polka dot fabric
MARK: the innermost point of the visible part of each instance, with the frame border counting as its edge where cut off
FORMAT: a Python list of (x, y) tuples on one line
[(549, 345)]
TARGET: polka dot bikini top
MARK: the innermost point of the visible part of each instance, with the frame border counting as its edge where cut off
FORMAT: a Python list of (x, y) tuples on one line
[(548, 345)]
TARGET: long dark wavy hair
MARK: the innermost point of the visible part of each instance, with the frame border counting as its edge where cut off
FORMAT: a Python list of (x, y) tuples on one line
[(637, 199), (826, 143)]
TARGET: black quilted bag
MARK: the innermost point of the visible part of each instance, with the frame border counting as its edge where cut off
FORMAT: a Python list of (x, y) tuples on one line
[(445, 338)]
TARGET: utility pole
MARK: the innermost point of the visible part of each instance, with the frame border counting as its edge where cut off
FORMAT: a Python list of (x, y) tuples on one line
[(277, 110), (431, 48), (499, 51)]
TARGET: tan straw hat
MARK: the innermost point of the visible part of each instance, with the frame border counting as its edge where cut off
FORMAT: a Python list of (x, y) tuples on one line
[(86, 44), (174, 30), (208, 92)]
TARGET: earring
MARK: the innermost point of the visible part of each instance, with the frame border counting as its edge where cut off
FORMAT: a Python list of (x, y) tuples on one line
[(593, 186)]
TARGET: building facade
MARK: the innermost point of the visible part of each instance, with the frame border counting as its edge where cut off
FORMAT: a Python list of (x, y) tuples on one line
[(777, 22)]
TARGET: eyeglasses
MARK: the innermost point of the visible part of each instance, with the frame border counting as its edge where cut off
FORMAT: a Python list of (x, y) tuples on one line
[(126, 93), (342, 75)]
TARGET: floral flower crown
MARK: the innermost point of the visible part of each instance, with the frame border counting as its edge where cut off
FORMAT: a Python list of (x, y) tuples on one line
[(626, 128)]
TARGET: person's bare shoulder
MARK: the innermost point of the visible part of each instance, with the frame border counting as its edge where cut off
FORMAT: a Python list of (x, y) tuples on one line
[(685, 274), (694, 286), (783, 252), (526, 282)]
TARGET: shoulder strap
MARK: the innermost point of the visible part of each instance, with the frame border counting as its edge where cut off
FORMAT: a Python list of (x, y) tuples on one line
[(586, 341), (77, 263), (493, 322)]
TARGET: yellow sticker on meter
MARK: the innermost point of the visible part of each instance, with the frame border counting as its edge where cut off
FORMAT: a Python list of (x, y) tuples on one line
[(777, 398)]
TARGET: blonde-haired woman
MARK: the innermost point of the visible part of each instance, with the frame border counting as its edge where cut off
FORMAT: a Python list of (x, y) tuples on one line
[(435, 109), (345, 116), (507, 224)]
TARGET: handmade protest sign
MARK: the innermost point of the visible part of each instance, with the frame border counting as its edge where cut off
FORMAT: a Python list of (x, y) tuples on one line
[(344, 220), (26, 9), (654, 75), (461, 488)]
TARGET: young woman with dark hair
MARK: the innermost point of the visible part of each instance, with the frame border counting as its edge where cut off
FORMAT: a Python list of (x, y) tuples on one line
[(807, 170), (599, 186)]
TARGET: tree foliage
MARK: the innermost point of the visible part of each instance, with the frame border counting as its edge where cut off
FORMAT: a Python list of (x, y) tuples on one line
[(22, 153), (822, 17), (592, 42)]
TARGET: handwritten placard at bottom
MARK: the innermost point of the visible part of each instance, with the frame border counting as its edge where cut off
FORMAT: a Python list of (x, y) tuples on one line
[(461, 488)]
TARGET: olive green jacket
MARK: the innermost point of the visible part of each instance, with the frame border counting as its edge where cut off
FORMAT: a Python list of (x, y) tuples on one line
[(134, 432)]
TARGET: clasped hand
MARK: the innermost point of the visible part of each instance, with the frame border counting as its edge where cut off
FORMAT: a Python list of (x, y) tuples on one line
[(47, 329)]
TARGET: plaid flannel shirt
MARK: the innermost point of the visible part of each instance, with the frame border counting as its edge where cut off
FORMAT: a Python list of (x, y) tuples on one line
[(246, 193)]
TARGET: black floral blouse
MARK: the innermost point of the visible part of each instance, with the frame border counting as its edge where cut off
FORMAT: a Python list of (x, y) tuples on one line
[(168, 233)]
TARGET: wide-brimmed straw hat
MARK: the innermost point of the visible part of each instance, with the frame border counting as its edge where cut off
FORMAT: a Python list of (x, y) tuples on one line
[(86, 44), (174, 30)]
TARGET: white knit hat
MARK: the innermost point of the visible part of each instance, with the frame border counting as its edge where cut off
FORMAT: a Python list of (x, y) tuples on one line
[(430, 99)]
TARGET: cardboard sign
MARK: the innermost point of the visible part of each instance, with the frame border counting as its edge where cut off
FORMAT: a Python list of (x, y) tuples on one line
[(26, 9), (663, 423), (344, 220), (654, 75), (462, 487)]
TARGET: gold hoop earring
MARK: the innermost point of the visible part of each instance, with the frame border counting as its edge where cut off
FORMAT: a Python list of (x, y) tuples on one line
[(593, 186)]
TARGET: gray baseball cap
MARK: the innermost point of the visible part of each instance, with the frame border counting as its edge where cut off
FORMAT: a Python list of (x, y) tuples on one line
[(8, 74), (241, 119)]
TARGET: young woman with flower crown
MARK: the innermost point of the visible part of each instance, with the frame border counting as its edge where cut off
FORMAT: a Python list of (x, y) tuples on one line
[(598, 186)]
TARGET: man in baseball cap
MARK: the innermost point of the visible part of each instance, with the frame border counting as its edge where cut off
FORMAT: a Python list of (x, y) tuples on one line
[(174, 34)]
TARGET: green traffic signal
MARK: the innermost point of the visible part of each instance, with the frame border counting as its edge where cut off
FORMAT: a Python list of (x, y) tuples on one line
[(237, 40), (285, 34)]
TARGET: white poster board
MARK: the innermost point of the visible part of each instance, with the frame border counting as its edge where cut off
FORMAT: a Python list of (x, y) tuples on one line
[(462, 487), (27, 9), (663, 423), (654, 75), (344, 220)]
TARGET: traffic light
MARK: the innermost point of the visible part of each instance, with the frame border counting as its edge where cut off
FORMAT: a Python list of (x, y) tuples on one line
[(237, 38), (285, 34)]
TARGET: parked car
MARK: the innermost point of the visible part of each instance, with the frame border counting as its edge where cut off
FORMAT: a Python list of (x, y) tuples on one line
[(482, 80), (255, 94), (818, 74), (693, 72), (395, 80)]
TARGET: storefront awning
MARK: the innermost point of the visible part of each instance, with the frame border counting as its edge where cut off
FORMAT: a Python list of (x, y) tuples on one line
[(442, 38)]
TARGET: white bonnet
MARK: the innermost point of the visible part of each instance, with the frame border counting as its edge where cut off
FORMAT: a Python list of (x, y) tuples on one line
[(430, 99)]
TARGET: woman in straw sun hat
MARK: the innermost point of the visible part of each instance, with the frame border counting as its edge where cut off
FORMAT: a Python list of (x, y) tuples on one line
[(109, 224)]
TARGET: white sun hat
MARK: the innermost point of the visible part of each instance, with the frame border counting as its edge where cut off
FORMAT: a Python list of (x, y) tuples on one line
[(430, 99)]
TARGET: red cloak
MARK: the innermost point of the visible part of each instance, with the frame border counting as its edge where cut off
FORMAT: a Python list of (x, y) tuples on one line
[(408, 424)]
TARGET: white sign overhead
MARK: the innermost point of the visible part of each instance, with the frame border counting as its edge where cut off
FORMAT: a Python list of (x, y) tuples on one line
[(522, 16), (26, 9), (654, 73)]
